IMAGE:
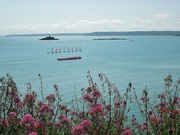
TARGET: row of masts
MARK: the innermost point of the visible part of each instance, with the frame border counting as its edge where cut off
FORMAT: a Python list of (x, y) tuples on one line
[(59, 50)]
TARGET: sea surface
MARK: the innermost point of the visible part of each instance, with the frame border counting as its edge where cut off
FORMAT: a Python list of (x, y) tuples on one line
[(141, 60)]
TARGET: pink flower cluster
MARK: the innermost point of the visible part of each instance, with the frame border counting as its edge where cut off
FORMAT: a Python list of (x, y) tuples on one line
[(97, 110), (50, 98), (33, 133), (80, 129), (30, 98), (45, 109), (91, 94), (12, 115), (28, 121)]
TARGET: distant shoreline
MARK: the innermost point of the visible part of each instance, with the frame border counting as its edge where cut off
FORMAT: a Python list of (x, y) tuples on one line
[(126, 33)]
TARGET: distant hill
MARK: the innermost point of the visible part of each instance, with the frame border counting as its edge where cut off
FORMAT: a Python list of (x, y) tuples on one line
[(136, 33), (125, 33)]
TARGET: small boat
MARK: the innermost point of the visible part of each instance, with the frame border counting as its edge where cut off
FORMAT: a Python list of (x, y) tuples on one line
[(70, 58), (56, 51), (59, 50)]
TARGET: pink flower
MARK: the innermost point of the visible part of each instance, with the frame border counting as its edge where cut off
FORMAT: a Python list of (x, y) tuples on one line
[(28, 120), (4, 122), (12, 115), (33, 133), (65, 120), (63, 107), (86, 124), (153, 118), (20, 105), (164, 110), (96, 93), (127, 132), (162, 95), (149, 112), (40, 103), (29, 98), (117, 104), (78, 130), (41, 125), (88, 98), (176, 112), (144, 126), (97, 110), (133, 119), (16, 99), (162, 104), (46, 109), (160, 120), (108, 107), (50, 98), (57, 125), (89, 89)]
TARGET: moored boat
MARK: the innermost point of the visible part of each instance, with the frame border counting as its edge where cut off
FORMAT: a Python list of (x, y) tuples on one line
[(70, 58)]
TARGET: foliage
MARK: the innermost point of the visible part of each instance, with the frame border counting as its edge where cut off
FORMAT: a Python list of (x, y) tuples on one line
[(97, 112)]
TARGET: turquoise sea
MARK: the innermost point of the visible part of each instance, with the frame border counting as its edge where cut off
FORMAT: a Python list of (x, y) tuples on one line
[(142, 60)]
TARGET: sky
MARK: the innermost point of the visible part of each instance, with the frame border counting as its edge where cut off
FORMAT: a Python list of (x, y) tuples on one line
[(78, 16)]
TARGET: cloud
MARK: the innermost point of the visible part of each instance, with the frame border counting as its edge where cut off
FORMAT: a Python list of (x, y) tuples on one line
[(162, 16), (88, 23), (155, 22)]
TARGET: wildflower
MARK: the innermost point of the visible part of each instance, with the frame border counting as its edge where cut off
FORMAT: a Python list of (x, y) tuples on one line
[(87, 98), (160, 120), (40, 103), (50, 98), (162, 104), (63, 107), (108, 107), (4, 122), (20, 105), (144, 126), (28, 120), (57, 125), (65, 120), (16, 99), (78, 130), (46, 109), (117, 104), (97, 110), (127, 132), (12, 115), (96, 93), (153, 118), (89, 89), (133, 118), (41, 125), (164, 110), (162, 95), (149, 112), (85, 124), (33, 133), (30, 98)]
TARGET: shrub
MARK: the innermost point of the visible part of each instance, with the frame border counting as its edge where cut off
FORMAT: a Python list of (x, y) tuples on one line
[(97, 112)]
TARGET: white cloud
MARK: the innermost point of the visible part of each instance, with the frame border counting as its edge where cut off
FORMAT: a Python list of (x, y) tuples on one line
[(88, 23), (162, 16), (156, 22)]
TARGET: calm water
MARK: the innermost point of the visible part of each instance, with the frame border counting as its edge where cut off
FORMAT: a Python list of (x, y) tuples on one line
[(143, 60)]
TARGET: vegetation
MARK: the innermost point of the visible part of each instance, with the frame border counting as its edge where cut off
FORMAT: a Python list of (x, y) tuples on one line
[(98, 112)]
